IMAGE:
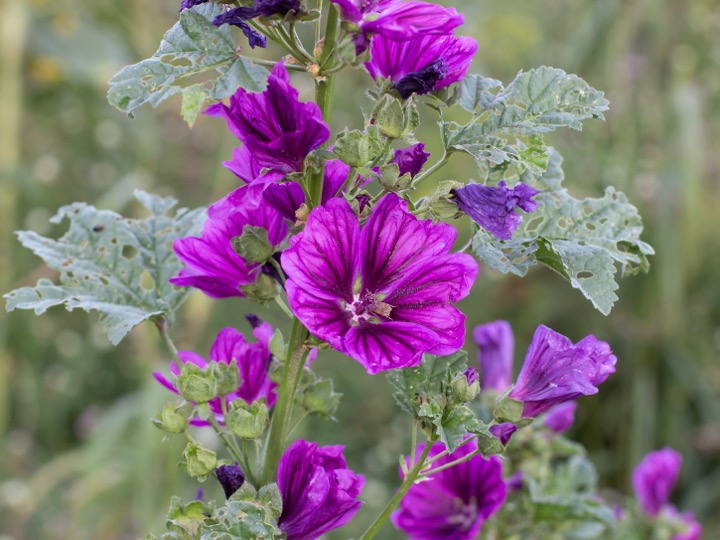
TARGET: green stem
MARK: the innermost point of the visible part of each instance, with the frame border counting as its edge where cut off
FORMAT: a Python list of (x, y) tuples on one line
[(286, 399), (451, 464), (234, 450), (402, 490), (444, 453), (270, 63), (432, 170), (284, 307)]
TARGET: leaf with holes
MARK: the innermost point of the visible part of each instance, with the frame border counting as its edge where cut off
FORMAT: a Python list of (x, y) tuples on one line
[(190, 48), (111, 264), (583, 240)]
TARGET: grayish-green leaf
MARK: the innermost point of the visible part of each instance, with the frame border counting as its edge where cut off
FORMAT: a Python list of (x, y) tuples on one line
[(240, 520), (191, 47), (413, 384), (450, 425), (583, 240), (475, 92), (111, 264)]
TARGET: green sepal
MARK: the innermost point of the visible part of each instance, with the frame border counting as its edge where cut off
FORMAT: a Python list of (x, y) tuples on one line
[(226, 376), (320, 398), (195, 384), (183, 520), (508, 410), (359, 148), (253, 244), (263, 291), (247, 422), (173, 418), (199, 462)]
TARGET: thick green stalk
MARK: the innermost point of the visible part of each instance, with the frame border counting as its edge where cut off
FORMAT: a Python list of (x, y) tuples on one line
[(286, 399), (402, 490), (324, 86)]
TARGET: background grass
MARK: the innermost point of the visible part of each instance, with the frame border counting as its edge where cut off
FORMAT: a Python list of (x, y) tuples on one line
[(80, 458)]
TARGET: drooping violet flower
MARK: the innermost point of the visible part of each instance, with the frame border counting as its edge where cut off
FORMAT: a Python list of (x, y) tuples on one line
[(319, 493), (211, 263), (503, 431), (555, 370), (410, 160), (187, 4), (654, 478), (252, 359), (239, 17), (423, 64), (495, 353), (493, 208), (383, 294), (452, 504), (278, 130), (561, 417), (231, 478)]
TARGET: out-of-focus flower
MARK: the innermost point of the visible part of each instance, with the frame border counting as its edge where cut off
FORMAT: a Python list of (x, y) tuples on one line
[(453, 503), (278, 130), (319, 493), (493, 208), (654, 478), (252, 359), (561, 417), (231, 478), (422, 64), (555, 370), (495, 351), (382, 294), (410, 160)]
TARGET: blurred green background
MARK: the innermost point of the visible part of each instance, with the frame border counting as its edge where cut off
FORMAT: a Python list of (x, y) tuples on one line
[(79, 457)]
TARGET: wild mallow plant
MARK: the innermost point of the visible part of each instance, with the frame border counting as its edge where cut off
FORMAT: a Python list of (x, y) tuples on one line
[(330, 227)]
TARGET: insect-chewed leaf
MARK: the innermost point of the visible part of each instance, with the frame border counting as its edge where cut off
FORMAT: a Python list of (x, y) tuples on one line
[(191, 47), (111, 264)]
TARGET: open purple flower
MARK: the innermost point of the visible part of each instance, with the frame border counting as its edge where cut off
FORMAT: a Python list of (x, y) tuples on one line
[(423, 64), (252, 359), (278, 130), (410, 160), (654, 478), (399, 20), (493, 208), (495, 352), (561, 417), (383, 293), (452, 504), (211, 263), (319, 493), (555, 370)]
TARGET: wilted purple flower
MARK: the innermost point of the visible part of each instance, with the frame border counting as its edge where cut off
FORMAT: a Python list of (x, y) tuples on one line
[(278, 130), (452, 504), (493, 208), (555, 370), (503, 431), (239, 17), (231, 478), (422, 64), (211, 263), (319, 493), (654, 479), (410, 160), (561, 417), (495, 351), (252, 359), (187, 4), (383, 293)]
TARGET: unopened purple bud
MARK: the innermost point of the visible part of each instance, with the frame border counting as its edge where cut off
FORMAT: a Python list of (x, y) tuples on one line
[(515, 482), (268, 8), (253, 319), (503, 431), (471, 375), (199, 495), (231, 478), (410, 160), (561, 417), (423, 80), (187, 4), (654, 479)]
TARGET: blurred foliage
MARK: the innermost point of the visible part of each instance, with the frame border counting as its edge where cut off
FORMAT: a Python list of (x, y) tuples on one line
[(81, 458)]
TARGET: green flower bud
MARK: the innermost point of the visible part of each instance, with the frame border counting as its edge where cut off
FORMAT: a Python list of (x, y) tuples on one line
[(358, 148), (389, 117), (196, 385), (248, 423), (226, 376), (263, 291), (508, 410), (391, 180), (465, 386), (320, 398), (199, 461), (173, 418), (253, 244)]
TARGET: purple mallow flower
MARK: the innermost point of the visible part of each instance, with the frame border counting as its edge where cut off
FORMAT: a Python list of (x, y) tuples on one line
[(503, 431), (211, 263), (252, 359), (278, 130), (555, 370), (382, 293), (493, 208), (187, 4), (423, 64), (231, 478), (319, 493), (561, 417), (654, 479), (452, 504), (262, 8), (495, 353), (410, 160)]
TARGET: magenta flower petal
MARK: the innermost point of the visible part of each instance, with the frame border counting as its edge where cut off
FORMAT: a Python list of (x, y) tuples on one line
[(400, 307), (495, 353), (453, 503), (654, 478), (319, 493), (406, 20), (278, 130), (555, 370)]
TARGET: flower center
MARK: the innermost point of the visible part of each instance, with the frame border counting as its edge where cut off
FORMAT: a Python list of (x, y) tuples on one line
[(367, 307), (464, 514)]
